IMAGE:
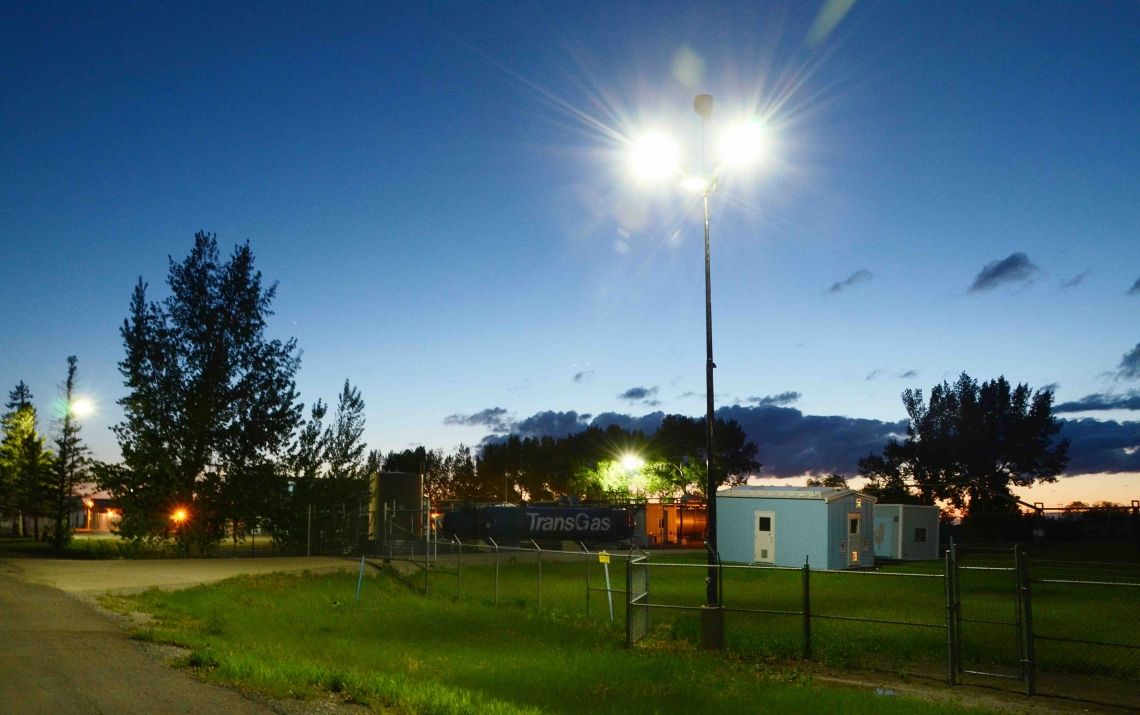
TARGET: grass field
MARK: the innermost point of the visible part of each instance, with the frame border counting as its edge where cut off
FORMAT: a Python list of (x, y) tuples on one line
[(295, 636), (856, 615)]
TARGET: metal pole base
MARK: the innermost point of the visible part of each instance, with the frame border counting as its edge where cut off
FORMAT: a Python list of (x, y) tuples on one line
[(712, 628)]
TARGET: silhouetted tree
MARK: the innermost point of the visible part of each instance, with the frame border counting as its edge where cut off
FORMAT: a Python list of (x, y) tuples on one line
[(71, 462), (25, 464), (831, 480), (211, 401), (971, 443)]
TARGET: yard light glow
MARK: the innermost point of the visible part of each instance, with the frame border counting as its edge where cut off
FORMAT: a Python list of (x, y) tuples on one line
[(655, 157), (81, 407), (742, 144), (179, 515), (632, 462)]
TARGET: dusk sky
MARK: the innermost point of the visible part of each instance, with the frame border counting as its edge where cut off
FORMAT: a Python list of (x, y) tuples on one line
[(443, 193)]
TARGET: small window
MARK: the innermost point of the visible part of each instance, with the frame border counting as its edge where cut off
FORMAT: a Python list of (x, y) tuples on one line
[(854, 526), (896, 519), (854, 556), (920, 535), (765, 523)]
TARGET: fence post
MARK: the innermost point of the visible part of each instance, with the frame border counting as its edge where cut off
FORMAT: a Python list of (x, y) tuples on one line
[(628, 600), (587, 552), (807, 610), (949, 572), (459, 566), (496, 547), (539, 549), (1028, 664)]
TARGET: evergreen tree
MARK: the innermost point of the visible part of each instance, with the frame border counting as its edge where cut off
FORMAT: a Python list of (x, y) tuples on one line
[(72, 459), (25, 464), (211, 403)]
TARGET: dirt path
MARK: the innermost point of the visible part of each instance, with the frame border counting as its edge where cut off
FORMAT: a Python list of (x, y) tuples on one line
[(60, 653)]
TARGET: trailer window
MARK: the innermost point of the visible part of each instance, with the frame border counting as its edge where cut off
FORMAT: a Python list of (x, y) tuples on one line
[(920, 535), (854, 529), (765, 523)]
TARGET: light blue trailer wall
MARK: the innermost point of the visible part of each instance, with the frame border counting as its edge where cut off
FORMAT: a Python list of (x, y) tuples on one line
[(800, 529), (840, 542)]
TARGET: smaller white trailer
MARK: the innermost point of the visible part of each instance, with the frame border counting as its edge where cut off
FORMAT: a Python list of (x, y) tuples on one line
[(906, 532)]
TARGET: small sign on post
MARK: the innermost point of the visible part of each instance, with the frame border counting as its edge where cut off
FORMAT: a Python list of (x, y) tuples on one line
[(604, 559)]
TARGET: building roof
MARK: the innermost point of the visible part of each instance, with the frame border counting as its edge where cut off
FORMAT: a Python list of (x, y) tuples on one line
[(761, 491)]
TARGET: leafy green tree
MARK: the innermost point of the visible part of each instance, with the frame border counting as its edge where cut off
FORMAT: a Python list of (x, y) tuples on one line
[(211, 403), (970, 444), (71, 463)]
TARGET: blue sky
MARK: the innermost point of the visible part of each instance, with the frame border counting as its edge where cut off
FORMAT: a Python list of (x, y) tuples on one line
[(441, 191)]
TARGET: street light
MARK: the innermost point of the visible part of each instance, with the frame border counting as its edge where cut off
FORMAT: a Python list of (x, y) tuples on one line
[(656, 156)]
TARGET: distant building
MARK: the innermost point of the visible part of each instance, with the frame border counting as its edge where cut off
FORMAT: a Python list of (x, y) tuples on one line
[(906, 532), (830, 527)]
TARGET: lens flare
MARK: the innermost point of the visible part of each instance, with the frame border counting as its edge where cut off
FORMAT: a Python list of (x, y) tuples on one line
[(655, 157)]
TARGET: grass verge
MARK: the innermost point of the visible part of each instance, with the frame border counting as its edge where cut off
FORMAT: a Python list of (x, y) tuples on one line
[(299, 636)]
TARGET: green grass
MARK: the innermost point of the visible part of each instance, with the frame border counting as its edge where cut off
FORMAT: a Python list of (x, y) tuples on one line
[(296, 636), (906, 593)]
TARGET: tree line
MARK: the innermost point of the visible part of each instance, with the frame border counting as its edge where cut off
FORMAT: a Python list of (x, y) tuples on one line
[(213, 428), (37, 484)]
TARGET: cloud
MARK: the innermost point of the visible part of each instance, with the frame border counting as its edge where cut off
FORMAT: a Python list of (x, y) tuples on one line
[(908, 374), (860, 276), (1100, 401), (1135, 289), (1077, 280), (1130, 364), (1015, 268), (1102, 446), (784, 398), (791, 443), (583, 375), (551, 423), (644, 395), (494, 418), (873, 374)]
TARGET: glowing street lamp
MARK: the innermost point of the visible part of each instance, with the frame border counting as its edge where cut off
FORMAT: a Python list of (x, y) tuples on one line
[(656, 157), (178, 516), (81, 407)]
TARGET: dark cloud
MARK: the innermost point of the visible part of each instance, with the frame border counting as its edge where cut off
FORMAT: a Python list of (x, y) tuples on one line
[(860, 276), (1015, 268), (552, 424), (784, 398), (1135, 289), (791, 443), (494, 418), (1050, 387), (583, 375), (1130, 364), (644, 395), (646, 424), (873, 374), (1102, 446), (908, 374), (1099, 401), (1075, 281)]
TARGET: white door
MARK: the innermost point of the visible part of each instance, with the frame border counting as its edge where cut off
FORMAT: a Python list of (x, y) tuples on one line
[(856, 549), (765, 545)]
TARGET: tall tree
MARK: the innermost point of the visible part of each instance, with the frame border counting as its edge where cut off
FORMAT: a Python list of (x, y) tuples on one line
[(71, 462), (831, 480), (25, 464), (681, 442), (344, 440), (971, 443), (211, 401)]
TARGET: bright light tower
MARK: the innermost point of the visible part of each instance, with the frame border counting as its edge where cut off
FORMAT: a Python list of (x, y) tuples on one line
[(656, 156), (81, 407)]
